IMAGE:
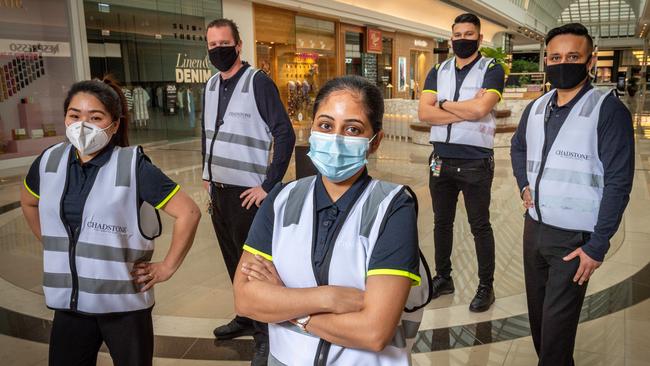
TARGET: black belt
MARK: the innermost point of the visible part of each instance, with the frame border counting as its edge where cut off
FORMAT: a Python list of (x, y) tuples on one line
[(223, 185)]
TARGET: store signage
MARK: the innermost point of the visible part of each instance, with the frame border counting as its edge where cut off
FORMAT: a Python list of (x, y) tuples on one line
[(420, 43), (45, 49), (16, 4), (373, 40), (192, 70)]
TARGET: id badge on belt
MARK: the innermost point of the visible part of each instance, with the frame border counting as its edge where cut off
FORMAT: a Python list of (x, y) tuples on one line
[(436, 166)]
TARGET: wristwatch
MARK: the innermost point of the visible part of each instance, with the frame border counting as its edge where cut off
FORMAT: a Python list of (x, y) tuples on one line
[(302, 323), (441, 102)]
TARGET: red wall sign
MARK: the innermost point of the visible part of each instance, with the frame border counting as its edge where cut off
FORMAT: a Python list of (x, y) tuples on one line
[(373, 40)]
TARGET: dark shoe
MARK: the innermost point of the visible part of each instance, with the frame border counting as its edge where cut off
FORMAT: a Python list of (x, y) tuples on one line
[(261, 353), (442, 286), (232, 330), (483, 300)]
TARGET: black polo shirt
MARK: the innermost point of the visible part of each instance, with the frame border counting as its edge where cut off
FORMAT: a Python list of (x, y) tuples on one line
[(493, 81), (273, 113), (615, 151), (396, 251), (154, 186)]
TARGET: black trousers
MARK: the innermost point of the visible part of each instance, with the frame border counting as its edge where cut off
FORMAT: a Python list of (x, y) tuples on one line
[(474, 179), (231, 223), (75, 339), (554, 300)]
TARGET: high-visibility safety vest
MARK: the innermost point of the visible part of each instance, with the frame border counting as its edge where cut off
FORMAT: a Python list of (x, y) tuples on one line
[(350, 256), (92, 275), (239, 152), (567, 184), (475, 133)]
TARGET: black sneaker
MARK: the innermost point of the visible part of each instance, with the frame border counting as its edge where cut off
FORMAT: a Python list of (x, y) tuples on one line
[(261, 353), (232, 330), (483, 300), (442, 286)]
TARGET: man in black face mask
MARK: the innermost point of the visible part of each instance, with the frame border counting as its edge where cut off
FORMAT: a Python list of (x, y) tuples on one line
[(458, 99), (573, 157), (243, 117)]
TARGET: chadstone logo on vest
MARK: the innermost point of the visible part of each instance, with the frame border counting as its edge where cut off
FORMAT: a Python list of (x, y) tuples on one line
[(240, 115), (106, 228), (572, 155)]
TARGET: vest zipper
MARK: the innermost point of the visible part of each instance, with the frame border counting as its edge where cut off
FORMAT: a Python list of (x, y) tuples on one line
[(547, 116), (72, 253), (214, 138)]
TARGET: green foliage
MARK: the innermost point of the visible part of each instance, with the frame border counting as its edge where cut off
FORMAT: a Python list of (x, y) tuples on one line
[(524, 66), (524, 80), (499, 55)]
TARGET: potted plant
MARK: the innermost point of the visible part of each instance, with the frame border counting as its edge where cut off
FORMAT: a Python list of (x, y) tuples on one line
[(499, 55), (633, 86)]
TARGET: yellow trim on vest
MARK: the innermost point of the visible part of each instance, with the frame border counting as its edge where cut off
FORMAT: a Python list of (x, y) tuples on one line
[(254, 251), (430, 91), (415, 279), (498, 93), (30, 190), (169, 196)]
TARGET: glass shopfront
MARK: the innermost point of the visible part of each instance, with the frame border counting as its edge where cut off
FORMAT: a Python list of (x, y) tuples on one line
[(299, 53), (36, 70), (157, 51)]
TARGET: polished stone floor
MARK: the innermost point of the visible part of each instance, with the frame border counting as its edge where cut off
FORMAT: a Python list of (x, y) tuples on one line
[(616, 315)]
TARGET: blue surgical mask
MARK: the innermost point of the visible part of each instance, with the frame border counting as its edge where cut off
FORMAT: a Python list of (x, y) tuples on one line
[(338, 157)]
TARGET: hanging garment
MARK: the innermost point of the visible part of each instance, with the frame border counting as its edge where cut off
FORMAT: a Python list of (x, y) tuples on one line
[(140, 100)]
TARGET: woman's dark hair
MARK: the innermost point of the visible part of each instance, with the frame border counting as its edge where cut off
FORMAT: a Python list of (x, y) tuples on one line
[(369, 94), (110, 94)]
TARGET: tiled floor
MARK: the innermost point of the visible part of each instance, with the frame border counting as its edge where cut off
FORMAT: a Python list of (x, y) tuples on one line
[(199, 296)]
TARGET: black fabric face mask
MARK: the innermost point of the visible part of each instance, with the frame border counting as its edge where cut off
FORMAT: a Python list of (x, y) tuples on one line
[(566, 76), (223, 57), (464, 48)]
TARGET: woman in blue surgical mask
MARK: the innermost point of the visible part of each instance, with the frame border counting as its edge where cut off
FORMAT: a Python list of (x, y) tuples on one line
[(93, 202), (332, 261)]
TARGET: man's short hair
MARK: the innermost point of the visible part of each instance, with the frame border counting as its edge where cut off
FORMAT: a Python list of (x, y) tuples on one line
[(223, 22), (467, 18), (571, 28)]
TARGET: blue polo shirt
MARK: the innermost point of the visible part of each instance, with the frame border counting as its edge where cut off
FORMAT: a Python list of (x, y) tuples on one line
[(154, 186), (396, 251)]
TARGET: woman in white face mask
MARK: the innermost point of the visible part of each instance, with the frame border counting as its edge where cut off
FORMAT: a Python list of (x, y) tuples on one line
[(332, 261), (93, 201)]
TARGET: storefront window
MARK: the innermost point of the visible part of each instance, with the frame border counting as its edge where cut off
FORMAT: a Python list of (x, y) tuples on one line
[(353, 49), (157, 51), (385, 68), (299, 54), (418, 72), (36, 70)]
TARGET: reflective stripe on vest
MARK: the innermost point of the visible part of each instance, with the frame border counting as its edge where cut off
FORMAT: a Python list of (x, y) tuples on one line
[(113, 236), (294, 215), (571, 184), (239, 152), (475, 133)]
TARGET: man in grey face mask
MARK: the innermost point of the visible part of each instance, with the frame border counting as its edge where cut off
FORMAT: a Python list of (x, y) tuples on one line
[(573, 157), (243, 117)]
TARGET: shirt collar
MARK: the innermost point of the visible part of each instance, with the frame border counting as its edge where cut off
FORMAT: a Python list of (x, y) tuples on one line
[(585, 88), (469, 65), (99, 160), (323, 199), (237, 76)]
